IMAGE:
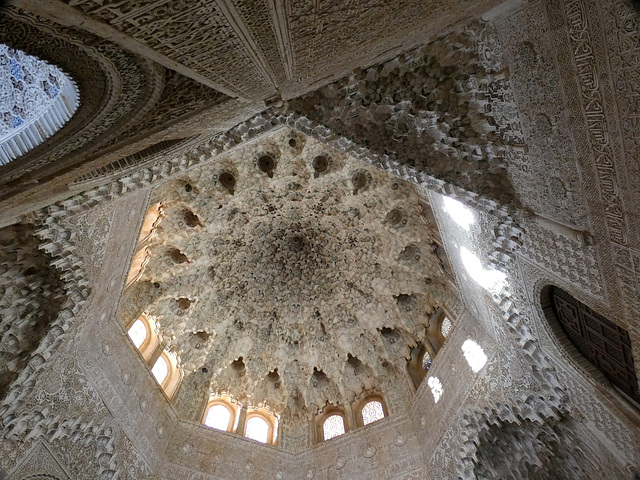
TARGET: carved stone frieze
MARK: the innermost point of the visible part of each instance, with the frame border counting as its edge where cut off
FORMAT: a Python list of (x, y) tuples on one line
[(529, 52), (196, 35), (115, 86), (40, 463)]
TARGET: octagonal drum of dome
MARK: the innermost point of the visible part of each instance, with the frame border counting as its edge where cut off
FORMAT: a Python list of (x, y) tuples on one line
[(289, 274)]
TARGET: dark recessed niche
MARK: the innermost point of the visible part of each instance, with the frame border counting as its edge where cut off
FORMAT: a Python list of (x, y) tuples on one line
[(410, 254), (202, 335), (320, 165), (296, 243), (266, 164), (360, 181), (191, 219), (228, 181), (389, 334), (319, 375), (177, 256), (274, 378), (355, 363), (238, 364), (204, 370), (292, 142), (405, 302), (396, 218), (184, 303), (188, 187), (31, 271)]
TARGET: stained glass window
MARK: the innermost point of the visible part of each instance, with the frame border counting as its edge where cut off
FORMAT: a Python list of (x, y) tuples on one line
[(474, 354), (160, 370), (218, 417), (436, 388), (258, 429), (138, 333), (333, 427), (426, 361), (446, 327), (372, 412)]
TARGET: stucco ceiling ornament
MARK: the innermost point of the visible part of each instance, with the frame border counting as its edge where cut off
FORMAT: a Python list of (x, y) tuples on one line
[(264, 269)]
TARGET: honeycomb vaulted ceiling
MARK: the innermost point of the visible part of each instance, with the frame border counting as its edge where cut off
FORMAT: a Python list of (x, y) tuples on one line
[(293, 274)]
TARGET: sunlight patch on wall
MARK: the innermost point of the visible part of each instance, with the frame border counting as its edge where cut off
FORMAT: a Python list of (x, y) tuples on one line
[(462, 215), (474, 354), (492, 280), (436, 388)]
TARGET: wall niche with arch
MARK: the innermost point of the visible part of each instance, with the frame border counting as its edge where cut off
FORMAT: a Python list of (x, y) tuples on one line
[(601, 348)]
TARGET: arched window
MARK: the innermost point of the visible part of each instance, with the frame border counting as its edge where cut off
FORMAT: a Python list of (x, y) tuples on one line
[(369, 409), (143, 335), (261, 425), (167, 373), (222, 412), (439, 328), (219, 417), (604, 344), (36, 100), (372, 412), (333, 427), (257, 429), (160, 370), (138, 333)]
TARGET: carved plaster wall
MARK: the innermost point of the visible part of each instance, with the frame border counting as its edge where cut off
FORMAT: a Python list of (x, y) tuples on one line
[(553, 202)]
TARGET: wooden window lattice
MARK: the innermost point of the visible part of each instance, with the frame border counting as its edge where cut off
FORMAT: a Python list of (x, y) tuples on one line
[(606, 345)]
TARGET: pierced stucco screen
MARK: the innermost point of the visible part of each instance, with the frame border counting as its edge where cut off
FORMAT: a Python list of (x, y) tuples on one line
[(372, 412), (446, 327), (426, 361), (333, 427), (36, 100)]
